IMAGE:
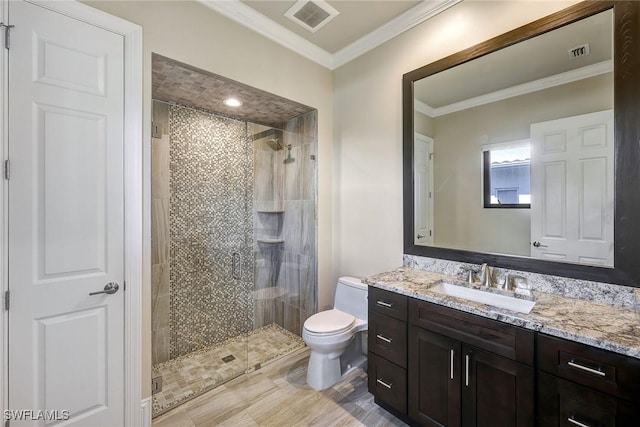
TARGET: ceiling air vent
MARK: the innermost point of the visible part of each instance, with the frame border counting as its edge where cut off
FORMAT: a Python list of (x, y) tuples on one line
[(311, 15), (579, 51)]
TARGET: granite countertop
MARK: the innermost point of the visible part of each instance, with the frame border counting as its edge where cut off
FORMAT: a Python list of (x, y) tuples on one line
[(600, 325)]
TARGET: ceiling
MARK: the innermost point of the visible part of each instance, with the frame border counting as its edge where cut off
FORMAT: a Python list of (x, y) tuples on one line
[(179, 83), (360, 26), (356, 19), (532, 65)]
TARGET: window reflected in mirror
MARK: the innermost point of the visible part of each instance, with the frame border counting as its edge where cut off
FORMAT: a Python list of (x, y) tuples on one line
[(506, 172)]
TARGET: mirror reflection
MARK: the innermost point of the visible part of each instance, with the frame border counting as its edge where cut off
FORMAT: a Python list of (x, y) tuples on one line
[(513, 151)]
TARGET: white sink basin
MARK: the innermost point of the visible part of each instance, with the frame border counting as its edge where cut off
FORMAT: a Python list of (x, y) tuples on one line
[(484, 297)]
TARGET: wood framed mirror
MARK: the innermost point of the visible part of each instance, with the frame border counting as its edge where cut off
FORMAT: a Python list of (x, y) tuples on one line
[(624, 265)]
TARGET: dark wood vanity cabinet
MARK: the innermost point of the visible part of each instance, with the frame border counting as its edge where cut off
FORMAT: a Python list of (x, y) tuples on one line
[(579, 385), (467, 370), (387, 344), (435, 366)]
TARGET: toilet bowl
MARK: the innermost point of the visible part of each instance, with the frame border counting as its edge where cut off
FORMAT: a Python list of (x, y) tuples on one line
[(335, 337)]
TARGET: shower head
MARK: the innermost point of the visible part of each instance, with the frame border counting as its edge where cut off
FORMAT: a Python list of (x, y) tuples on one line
[(274, 144)]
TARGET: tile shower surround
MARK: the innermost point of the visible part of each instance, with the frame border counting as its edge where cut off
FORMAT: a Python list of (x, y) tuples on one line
[(284, 203), (186, 256)]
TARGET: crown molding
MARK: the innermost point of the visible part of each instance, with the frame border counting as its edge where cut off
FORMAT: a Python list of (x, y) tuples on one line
[(423, 108), (404, 22), (254, 20), (510, 92)]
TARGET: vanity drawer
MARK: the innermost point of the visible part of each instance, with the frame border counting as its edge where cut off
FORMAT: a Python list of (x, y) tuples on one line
[(500, 338), (563, 403), (602, 370), (388, 338), (389, 303), (388, 383)]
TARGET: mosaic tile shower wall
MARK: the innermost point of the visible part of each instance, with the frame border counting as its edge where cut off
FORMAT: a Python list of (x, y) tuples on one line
[(210, 220)]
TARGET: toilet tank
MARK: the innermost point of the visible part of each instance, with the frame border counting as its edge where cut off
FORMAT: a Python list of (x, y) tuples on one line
[(351, 297)]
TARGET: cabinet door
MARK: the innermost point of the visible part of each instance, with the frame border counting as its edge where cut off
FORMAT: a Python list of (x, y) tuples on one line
[(434, 380), (496, 391), (563, 403)]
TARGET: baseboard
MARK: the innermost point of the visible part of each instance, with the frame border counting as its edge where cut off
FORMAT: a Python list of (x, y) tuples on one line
[(146, 406)]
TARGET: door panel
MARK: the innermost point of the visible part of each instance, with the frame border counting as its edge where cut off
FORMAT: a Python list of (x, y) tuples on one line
[(66, 216), (71, 200), (52, 59), (57, 371)]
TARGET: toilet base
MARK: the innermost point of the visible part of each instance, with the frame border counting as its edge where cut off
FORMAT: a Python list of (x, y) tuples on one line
[(325, 370)]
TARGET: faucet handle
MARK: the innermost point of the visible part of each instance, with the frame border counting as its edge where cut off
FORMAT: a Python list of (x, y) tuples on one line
[(518, 284), (470, 272), (470, 276)]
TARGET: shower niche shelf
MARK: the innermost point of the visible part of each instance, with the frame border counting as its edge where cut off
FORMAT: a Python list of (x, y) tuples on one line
[(267, 211), (270, 241)]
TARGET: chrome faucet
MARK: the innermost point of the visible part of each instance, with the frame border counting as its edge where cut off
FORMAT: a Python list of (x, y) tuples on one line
[(486, 275)]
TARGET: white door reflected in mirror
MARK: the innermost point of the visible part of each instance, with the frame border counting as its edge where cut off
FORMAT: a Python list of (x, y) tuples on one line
[(423, 181), (572, 189)]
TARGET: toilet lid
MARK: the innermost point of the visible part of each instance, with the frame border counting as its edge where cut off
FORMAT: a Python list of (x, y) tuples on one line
[(329, 322)]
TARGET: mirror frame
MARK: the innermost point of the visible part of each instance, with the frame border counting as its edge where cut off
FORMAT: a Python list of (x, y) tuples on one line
[(626, 40)]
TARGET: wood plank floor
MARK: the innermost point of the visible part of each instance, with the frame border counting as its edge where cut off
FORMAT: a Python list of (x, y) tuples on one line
[(277, 395)]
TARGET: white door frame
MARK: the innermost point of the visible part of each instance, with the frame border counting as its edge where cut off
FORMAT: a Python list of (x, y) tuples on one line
[(133, 233)]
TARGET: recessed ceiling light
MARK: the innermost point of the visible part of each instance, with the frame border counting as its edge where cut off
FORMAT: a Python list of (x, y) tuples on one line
[(232, 102)]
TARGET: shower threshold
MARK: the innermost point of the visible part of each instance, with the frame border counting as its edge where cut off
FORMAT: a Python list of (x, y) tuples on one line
[(193, 374)]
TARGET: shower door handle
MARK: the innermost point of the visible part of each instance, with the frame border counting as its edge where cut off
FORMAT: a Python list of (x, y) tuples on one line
[(236, 270)]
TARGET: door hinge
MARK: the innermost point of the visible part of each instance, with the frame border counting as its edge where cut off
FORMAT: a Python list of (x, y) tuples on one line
[(429, 233), (7, 301), (7, 169), (124, 286), (155, 130), (7, 32)]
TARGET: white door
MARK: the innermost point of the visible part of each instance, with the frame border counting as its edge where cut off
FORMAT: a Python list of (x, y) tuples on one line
[(66, 348), (572, 189), (423, 191)]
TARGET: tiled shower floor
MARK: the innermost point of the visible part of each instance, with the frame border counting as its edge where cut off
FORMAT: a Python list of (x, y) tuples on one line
[(190, 375)]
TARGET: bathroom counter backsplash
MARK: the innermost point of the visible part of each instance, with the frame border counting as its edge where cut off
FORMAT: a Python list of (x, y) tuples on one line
[(602, 325)]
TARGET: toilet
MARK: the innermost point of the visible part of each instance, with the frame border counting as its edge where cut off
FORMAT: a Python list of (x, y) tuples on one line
[(336, 337)]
